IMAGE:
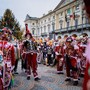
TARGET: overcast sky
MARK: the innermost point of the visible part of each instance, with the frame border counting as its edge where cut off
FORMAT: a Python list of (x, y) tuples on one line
[(20, 8)]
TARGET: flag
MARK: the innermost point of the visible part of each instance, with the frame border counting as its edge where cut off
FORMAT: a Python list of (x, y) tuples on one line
[(65, 17), (71, 16), (69, 11), (74, 15)]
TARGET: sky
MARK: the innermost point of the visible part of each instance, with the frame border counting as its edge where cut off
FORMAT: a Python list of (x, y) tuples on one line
[(34, 8)]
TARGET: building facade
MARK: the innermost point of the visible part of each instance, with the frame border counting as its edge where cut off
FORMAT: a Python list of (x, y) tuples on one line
[(68, 18)]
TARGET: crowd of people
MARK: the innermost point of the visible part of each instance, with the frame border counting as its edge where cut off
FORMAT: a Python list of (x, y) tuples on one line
[(70, 54), (67, 53)]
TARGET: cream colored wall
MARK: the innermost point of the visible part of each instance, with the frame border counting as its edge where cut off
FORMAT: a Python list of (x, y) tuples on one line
[(72, 21), (48, 22), (56, 21), (58, 17)]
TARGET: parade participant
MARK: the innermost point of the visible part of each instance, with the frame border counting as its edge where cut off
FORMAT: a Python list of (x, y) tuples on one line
[(74, 36), (8, 57), (30, 55), (49, 54), (59, 51), (59, 38), (86, 84), (5, 45), (39, 54), (44, 50), (81, 57), (17, 55), (1, 81), (71, 62)]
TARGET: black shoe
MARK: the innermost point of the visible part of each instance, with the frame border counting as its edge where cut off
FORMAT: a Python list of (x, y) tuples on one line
[(28, 78), (37, 79), (25, 71), (48, 65), (75, 83), (67, 79), (81, 75), (60, 73), (78, 78)]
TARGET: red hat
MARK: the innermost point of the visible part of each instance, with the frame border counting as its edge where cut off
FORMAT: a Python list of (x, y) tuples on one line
[(69, 39), (7, 30), (5, 33), (27, 31), (5, 37)]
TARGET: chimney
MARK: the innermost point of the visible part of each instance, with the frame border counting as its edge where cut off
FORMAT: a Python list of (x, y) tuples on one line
[(49, 11), (44, 14)]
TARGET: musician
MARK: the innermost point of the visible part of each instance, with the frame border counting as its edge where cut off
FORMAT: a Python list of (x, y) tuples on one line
[(59, 51), (8, 61), (86, 84), (17, 55), (30, 55), (71, 62), (49, 54), (1, 74)]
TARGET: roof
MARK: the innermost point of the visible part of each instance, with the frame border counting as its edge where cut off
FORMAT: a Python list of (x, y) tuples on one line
[(30, 18), (63, 3), (59, 4)]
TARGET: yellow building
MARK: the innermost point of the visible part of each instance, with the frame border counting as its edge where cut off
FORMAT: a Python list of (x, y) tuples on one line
[(67, 18)]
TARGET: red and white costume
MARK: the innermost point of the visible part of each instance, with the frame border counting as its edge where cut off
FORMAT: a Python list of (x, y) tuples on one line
[(71, 51), (30, 55), (8, 61), (31, 61), (82, 58), (1, 84), (86, 84), (59, 51), (8, 52)]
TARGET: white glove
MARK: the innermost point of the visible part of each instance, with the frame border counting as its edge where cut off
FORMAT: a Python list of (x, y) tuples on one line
[(56, 53)]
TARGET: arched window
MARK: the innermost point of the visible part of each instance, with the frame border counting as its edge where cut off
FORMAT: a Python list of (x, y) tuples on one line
[(33, 31)]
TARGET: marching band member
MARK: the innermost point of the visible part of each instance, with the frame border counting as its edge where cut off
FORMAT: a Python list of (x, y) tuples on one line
[(44, 50), (71, 62), (82, 58), (49, 54), (59, 51), (8, 57), (30, 55), (17, 55), (86, 84), (1, 77)]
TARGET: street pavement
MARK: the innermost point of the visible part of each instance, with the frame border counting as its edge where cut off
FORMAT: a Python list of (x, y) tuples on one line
[(49, 80)]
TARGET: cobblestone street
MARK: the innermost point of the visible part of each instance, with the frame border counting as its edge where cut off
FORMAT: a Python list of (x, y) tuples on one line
[(49, 80)]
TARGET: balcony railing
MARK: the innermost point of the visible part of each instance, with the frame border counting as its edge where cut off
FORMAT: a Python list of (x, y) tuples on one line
[(44, 34), (67, 29), (72, 28)]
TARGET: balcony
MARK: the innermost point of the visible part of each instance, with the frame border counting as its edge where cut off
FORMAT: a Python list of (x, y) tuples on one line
[(44, 34), (77, 11), (73, 28), (61, 18)]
